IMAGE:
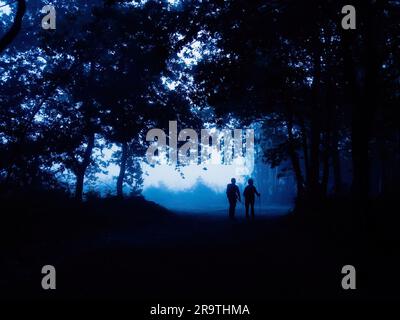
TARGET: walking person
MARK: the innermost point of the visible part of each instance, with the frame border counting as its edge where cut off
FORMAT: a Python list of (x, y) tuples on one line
[(233, 194), (250, 193)]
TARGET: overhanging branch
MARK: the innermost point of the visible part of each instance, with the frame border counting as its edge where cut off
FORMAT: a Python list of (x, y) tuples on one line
[(12, 33)]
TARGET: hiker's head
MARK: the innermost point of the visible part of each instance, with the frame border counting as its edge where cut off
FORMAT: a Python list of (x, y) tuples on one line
[(250, 182), (233, 180)]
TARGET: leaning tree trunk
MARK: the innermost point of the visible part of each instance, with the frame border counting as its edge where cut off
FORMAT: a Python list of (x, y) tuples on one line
[(12, 33), (80, 177), (121, 176), (294, 158), (82, 167)]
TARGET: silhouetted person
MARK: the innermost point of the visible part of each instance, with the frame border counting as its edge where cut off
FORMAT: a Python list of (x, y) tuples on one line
[(250, 193), (233, 194)]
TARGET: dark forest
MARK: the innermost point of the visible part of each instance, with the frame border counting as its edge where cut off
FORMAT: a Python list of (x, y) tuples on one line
[(78, 98)]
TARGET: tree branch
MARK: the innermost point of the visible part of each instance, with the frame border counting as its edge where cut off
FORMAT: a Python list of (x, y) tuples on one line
[(12, 33)]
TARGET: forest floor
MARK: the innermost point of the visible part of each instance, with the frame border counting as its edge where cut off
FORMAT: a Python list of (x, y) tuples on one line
[(196, 257)]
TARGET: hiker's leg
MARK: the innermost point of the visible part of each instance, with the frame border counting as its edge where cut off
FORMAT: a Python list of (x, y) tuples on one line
[(252, 209), (247, 208), (232, 205), (230, 208)]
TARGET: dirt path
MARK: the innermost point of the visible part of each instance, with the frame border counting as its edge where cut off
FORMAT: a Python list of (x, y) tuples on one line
[(188, 257)]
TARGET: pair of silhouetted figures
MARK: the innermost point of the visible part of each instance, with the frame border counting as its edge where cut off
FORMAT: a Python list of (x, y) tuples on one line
[(233, 194)]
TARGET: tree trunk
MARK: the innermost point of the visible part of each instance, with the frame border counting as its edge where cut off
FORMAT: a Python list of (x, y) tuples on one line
[(353, 92), (294, 158), (80, 177), (337, 172), (364, 88), (313, 183), (367, 100), (330, 116), (121, 176), (325, 164), (80, 174), (304, 144), (297, 171)]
